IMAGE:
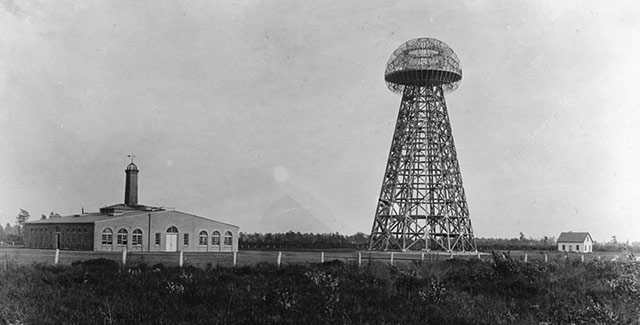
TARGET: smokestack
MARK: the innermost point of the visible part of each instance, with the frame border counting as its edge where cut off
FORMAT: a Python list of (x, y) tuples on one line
[(131, 185)]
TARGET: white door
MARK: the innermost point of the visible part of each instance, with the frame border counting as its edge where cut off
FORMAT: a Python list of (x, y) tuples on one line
[(172, 243)]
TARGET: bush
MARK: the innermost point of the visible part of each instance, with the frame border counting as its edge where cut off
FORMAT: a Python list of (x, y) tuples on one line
[(99, 265), (499, 291)]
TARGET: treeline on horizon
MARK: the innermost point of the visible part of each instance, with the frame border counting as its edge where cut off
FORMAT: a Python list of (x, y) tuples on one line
[(10, 235), (360, 241)]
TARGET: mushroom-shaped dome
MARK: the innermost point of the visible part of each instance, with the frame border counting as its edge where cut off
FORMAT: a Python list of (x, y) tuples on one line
[(423, 62), (132, 166)]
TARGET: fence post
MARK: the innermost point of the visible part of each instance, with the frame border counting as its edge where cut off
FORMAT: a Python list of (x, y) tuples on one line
[(526, 257), (422, 257), (450, 254), (582, 258), (545, 258), (124, 257), (235, 258), (56, 259), (359, 259), (391, 258), (279, 258), (181, 259), (321, 257), (480, 258)]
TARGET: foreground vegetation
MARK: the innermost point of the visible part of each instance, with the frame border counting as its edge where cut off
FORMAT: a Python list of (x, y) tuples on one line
[(500, 291)]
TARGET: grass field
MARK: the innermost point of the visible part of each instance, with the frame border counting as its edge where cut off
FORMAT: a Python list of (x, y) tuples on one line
[(494, 290), (24, 256)]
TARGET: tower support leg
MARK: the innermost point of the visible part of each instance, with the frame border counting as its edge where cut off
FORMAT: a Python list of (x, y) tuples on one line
[(422, 204)]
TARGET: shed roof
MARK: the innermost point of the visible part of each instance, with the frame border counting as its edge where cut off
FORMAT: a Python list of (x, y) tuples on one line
[(574, 237)]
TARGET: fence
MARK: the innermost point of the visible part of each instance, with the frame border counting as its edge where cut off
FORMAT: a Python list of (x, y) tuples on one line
[(247, 258)]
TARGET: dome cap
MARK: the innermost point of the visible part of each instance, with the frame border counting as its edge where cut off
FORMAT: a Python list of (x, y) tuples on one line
[(423, 62), (132, 166)]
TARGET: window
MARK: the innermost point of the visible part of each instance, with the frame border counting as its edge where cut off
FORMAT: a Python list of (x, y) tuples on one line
[(577, 247), (107, 237), (563, 248), (186, 239), (215, 238), (122, 236), (157, 238), (203, 238), (227, 238), (172, 229), (136, 238)]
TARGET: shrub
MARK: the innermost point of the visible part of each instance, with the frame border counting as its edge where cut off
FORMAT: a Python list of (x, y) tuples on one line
[(498, 291)]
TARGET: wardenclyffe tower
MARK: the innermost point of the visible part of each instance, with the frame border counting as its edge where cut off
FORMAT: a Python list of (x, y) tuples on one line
[(422, 204), (131, 185)]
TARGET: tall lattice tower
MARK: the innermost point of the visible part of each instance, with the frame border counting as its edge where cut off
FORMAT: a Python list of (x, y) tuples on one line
[(422, 203)]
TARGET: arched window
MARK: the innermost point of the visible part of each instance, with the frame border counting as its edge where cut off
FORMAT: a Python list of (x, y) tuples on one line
[(215, 238), (107, 237), (203, 238), (122, 236), (228, 238), (172, 229), (136, 238)]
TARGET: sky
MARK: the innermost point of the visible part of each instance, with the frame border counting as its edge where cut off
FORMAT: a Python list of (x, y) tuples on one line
[(274, 115)]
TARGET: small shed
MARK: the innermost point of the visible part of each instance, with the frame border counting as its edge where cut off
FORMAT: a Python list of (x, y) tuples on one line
[(579, 242)]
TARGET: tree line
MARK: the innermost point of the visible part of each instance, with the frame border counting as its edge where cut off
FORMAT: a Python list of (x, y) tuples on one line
[(296, 240), (12, 235)]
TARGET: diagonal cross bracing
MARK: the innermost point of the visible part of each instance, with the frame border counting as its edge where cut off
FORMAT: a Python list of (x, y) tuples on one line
[(422, 204)]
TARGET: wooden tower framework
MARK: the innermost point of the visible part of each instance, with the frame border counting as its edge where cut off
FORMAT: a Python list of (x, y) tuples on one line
[(422, 204)]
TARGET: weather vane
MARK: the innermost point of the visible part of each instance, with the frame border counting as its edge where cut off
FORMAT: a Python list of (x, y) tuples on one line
[(131, 156)]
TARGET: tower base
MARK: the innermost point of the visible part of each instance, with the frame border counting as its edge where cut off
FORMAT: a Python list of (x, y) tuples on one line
[(422, 205)]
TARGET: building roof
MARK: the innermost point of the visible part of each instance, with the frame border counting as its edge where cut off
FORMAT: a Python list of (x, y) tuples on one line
[(88, 217), (574, 237), (123, 207), (94, 217)]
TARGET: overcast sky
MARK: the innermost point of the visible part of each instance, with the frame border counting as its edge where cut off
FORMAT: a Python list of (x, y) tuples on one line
[(240, 110)]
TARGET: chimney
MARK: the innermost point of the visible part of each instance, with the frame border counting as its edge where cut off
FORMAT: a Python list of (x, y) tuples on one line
[(131, 185)]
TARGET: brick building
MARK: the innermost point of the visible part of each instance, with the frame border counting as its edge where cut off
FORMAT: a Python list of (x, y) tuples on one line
[(133, 227)]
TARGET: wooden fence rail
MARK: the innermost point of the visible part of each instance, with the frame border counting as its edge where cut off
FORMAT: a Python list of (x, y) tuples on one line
[(22, 256)]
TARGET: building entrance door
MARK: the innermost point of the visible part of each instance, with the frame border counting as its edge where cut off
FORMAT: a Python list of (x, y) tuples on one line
[(57, 238), (172, 243)]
